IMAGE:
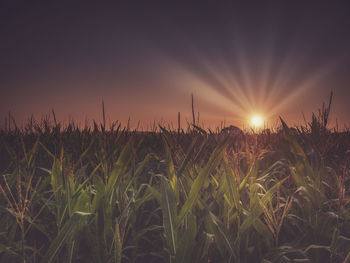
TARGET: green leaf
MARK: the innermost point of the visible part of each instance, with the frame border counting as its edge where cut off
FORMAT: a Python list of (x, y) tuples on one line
[(256, 210), (188, 240), (120, 167), (188, 156), (56, 176), (168, 207), (61, 238), (223, 237), (118, 243), (197, 185), (232, 186)]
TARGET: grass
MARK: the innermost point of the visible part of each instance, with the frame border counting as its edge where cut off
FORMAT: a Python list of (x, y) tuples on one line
[(71, 194)]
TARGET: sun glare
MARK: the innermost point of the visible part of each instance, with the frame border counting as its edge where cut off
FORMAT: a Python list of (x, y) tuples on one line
[(257, 121)]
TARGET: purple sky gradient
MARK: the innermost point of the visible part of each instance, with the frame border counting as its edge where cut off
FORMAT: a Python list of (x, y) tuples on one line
[(278, 58)]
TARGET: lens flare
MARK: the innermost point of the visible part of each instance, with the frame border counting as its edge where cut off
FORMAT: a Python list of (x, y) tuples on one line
[(236, 84), (257, 121)]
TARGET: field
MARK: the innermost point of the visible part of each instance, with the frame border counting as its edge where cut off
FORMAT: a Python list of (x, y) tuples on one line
[(71, 194)]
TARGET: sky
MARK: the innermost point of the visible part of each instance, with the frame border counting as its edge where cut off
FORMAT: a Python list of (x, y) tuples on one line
[(271, 58)]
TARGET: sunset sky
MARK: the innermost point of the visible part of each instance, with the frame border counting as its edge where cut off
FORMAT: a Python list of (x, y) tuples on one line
[(274, 58)]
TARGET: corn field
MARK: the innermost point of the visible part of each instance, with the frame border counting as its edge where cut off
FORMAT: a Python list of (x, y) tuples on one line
[(70, 194)]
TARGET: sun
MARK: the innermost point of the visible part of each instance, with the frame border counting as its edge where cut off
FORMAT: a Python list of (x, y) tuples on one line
[(257, 121)]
